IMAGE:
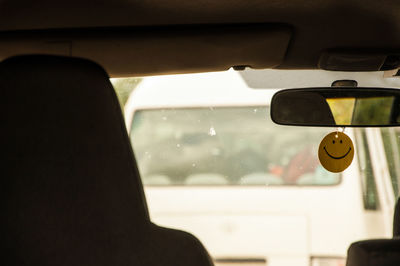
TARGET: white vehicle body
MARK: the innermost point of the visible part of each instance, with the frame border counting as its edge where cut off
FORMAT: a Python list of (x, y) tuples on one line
[(258, 225)]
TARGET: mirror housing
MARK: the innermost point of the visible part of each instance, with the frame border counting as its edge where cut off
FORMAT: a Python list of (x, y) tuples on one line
[(337, 107)]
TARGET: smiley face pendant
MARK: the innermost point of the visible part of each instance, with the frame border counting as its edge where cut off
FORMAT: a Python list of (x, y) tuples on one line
[(336, 152)]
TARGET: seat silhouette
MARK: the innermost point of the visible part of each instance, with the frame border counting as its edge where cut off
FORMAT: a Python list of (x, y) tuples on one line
[(71, 190)]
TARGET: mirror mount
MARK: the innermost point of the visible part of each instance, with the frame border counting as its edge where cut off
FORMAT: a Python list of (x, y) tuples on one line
[(344, 83)]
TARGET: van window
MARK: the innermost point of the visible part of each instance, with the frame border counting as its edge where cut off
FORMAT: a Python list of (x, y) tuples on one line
[(391, 141), (225, 146), (370, 194)]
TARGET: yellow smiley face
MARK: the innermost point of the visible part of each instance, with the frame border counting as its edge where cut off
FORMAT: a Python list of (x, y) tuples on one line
[(336, 152)]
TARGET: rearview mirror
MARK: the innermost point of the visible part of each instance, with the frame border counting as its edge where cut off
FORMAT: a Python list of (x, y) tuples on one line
[(337, 107)]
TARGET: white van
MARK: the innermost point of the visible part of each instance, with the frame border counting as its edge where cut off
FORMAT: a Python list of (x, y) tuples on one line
[(214, 164)]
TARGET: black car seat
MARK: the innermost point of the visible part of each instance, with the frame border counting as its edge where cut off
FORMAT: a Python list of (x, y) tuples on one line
[(70, 187), (377, 252)]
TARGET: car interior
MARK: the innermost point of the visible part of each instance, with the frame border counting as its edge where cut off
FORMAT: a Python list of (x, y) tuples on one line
[(71, 188)]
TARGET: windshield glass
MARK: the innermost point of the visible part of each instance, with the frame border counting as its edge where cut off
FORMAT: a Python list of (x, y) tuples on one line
[(254, 193), (206, 146)]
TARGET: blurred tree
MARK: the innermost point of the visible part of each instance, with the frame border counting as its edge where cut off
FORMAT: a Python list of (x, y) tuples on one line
[(373, 111), (124, 87)]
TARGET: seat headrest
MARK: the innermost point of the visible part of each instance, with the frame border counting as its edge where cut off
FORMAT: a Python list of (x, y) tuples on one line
[(70, 181), (377, 252), (396, 219)]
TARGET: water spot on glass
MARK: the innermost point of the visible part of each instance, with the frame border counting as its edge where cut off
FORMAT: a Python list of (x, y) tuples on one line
[(178, 145), (212, 132), (164, 118), (255, 110), (193, 165)]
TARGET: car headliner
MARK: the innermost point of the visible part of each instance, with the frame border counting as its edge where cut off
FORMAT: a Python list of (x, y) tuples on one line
[(132, 37)]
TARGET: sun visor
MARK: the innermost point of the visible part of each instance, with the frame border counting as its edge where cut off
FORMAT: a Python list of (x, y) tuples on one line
[(150, 51)]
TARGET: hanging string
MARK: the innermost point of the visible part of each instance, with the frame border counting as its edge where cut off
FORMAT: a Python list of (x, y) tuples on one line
[(338, 130)]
